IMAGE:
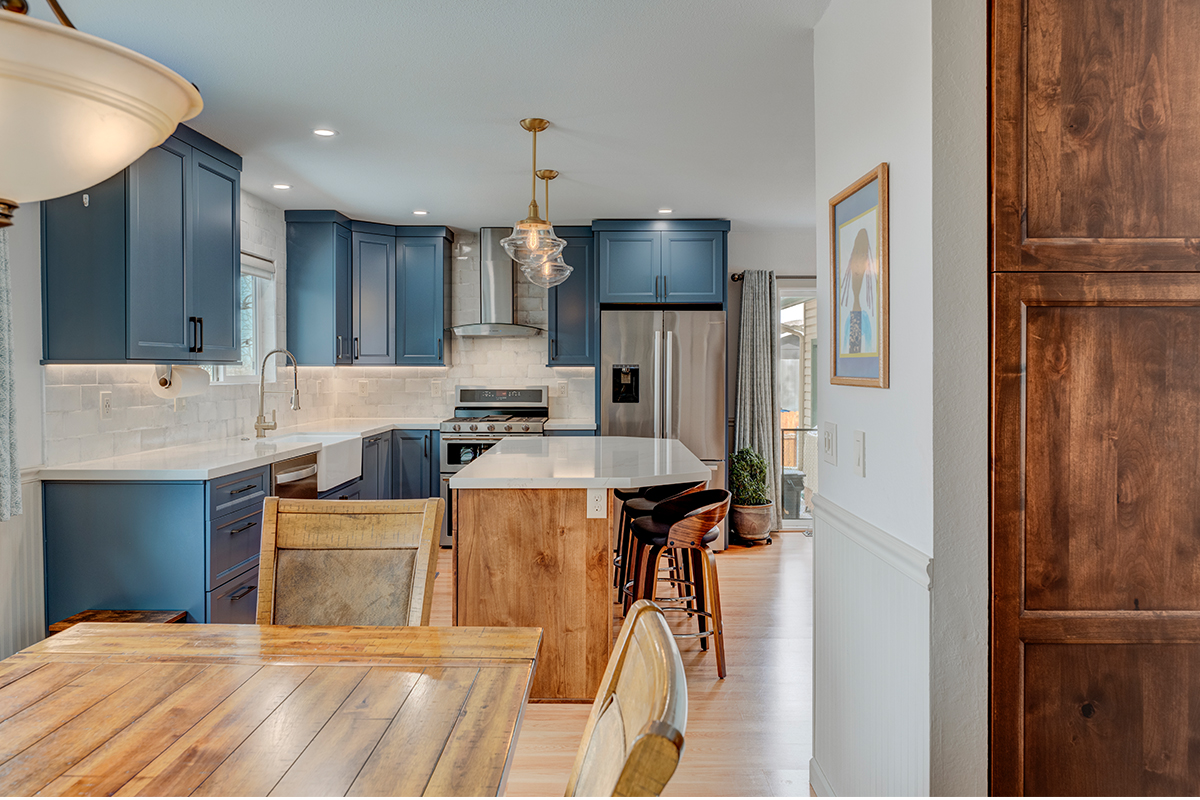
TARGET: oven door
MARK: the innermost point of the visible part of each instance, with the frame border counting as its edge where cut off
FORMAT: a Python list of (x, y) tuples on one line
[(458, 451)]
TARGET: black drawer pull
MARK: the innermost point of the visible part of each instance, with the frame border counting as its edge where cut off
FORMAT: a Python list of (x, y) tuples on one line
[(245, 527), (242, 592), (245, 488)]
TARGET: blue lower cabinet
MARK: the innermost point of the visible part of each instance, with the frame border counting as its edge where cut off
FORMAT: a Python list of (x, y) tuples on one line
[(571, 433), (235, 602), (377, 467), (414, 453), (233, 541), (351, 490)]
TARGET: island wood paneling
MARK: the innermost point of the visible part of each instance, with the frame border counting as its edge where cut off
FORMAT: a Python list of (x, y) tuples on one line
[(1095, 623), (531, 557)]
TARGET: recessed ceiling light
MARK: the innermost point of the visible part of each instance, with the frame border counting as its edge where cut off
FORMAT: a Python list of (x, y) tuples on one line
[(420, 213), (325, 132), (281, 186), (664, 211)]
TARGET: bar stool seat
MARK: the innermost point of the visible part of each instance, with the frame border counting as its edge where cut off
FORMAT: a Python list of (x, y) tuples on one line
[(652, 532), (639, 506)]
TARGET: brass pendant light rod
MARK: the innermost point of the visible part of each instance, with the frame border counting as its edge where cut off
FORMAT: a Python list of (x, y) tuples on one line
[(547, 175), (534, 125), (22, 7)]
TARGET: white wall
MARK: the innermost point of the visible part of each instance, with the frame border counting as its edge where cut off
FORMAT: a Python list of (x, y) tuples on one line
[(905, 83)]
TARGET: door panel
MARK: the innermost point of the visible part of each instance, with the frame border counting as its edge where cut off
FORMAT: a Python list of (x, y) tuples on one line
[(412, 466), (419, 280), (693, 266), (633, 339), (343, 286), (374, 298), (157, 294), (370, 468), (694, 375), (214, 270), (630, 264), (571, 309)]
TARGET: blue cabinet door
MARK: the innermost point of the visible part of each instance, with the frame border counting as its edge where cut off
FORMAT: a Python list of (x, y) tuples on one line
[(214, 264), (370, 468), (350, 490), (343, 287), (630, 266), (420, 299), (412, 464), (156, 294), (373, 268), (572, 310), (693, 267)]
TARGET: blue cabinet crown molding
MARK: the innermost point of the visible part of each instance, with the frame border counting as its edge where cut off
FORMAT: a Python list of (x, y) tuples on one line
[(660, 225), (204, 144), (573, 231), (305, 215), (358, 226)]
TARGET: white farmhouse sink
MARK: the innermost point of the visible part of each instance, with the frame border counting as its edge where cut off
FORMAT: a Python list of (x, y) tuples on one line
[(339, 459)]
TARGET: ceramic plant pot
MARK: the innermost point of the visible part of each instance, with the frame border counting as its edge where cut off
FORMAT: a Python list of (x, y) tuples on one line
[(751, 522)]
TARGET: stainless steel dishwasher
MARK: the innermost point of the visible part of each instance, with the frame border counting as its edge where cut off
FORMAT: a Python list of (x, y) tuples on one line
[(295, 478)]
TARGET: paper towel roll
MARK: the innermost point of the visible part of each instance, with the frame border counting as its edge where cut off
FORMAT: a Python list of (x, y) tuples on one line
[(172, 382)]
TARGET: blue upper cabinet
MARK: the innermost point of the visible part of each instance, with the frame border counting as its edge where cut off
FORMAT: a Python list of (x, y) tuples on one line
[(373, 297), (572, 310), (319, 287), (422, 295), (660, 261), (144, 266)]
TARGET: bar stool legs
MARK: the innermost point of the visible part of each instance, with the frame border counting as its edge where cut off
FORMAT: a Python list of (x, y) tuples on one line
[(705, 591)]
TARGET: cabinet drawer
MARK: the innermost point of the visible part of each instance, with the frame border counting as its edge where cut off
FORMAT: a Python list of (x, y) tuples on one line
[(236, 600), (232, 540), (238, 492), (350, 490)]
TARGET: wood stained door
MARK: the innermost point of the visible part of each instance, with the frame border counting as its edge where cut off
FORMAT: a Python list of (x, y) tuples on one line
[(1095, 619)]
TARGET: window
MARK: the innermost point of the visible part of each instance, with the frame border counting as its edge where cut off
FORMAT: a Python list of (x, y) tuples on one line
[(257, 294)]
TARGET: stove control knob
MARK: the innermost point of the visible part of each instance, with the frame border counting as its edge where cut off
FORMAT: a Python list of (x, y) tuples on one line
[(457, 427), (491, 427), (524, 427), (474, 427), (508, 427)]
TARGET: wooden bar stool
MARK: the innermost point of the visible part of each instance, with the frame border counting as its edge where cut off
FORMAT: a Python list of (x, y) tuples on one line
[(637, 507), (624, 495), (685, 524)]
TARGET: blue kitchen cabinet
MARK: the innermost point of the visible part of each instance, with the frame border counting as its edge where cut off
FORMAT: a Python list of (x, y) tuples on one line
[(350, 490), (423, 294), (377, 467), (660, 261), (319, 286), (573, 315), (153, 544), (145, 266), (414, 475), (373, 295)]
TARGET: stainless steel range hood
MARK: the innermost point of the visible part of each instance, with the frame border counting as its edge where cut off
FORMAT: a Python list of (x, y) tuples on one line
[(497, 277)]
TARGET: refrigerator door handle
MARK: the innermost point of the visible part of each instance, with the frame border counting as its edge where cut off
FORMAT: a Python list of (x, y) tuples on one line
[(668, 378), (658, 385)]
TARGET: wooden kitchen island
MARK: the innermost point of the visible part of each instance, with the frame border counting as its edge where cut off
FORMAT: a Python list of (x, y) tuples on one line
[(527, 552)]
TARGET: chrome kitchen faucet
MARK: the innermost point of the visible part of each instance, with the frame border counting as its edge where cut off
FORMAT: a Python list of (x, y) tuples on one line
[(261, 426)]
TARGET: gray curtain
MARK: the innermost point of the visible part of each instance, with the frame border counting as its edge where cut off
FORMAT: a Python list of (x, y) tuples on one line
[(757, 413), (10, 471)]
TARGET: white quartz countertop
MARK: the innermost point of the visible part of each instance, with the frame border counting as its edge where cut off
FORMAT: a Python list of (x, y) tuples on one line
[(208, 460), (581, 462)]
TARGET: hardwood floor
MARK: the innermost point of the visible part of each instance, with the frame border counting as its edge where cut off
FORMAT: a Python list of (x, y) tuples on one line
[(750, 734)]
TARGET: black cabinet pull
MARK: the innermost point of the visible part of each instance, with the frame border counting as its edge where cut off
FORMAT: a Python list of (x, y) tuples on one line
[(245, 527), (195, 335), (427, 445), (665, 290), (357, 352), (242, 592), (245, 488), (200, 323), (339, 347), (439, 348)]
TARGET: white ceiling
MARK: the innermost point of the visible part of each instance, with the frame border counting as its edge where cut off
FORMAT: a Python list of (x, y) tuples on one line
[(703, 106)]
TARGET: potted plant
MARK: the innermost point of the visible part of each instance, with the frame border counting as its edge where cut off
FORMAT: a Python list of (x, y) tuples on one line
[(751, 514)]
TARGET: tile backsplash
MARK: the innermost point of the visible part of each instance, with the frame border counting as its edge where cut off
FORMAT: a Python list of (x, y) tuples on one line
[(142, 421)]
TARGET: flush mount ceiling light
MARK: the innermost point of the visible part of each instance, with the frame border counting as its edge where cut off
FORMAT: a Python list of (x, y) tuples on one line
[(281, 186), (420, 213), (548, 270), (532, 238), (326, 132), (664, 211), (77, 109)]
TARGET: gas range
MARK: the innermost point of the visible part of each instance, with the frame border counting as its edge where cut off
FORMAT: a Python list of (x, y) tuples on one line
[(488, 413), (503, 424)]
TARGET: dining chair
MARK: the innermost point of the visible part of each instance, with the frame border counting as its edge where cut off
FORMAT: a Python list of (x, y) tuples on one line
[(634, 734), (348, 562)]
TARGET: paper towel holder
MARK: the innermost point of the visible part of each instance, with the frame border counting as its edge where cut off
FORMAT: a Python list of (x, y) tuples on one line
[(163, 374)]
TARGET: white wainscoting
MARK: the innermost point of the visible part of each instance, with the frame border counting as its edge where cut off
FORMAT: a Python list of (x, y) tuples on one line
[(871, 659), (22, 593)]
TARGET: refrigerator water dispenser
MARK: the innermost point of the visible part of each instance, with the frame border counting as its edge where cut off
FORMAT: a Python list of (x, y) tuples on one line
[(625, 383)]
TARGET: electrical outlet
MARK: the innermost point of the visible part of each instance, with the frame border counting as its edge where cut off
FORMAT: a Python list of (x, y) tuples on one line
[(596, 503), (180, 403), (435, 388), (320, 385), (106, 405), (860, 454), (829, 443), (362, 388), (562, 388)]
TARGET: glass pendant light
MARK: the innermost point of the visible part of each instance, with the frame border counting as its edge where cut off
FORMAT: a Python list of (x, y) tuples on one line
[(548, 270), (77, 109), (533, 238)]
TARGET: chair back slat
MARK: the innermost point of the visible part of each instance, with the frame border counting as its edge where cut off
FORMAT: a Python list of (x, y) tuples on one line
[(634, 735), (348, 562), (692, 516)]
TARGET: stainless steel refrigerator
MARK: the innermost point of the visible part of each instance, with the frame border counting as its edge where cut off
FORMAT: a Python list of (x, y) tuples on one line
[(662, 375)]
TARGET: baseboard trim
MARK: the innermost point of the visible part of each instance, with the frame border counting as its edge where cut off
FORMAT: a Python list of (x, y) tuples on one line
[(817, 780), (905, 558)]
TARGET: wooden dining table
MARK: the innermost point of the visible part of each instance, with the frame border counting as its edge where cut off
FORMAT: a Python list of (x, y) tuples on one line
[(141, 709)]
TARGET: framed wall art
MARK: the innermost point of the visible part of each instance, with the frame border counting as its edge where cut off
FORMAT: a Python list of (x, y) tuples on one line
[(858, 248)]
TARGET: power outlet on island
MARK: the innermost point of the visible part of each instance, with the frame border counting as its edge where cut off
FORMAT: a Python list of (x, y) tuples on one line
[(596, 503)]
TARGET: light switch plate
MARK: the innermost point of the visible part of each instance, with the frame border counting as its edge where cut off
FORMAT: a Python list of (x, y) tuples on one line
[(106, 405), (562, 389), (596, 503), (829, 443), (860, 454), (435, 388)]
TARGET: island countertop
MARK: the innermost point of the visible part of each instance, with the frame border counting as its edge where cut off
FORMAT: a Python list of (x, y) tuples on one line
[(581, 462)]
